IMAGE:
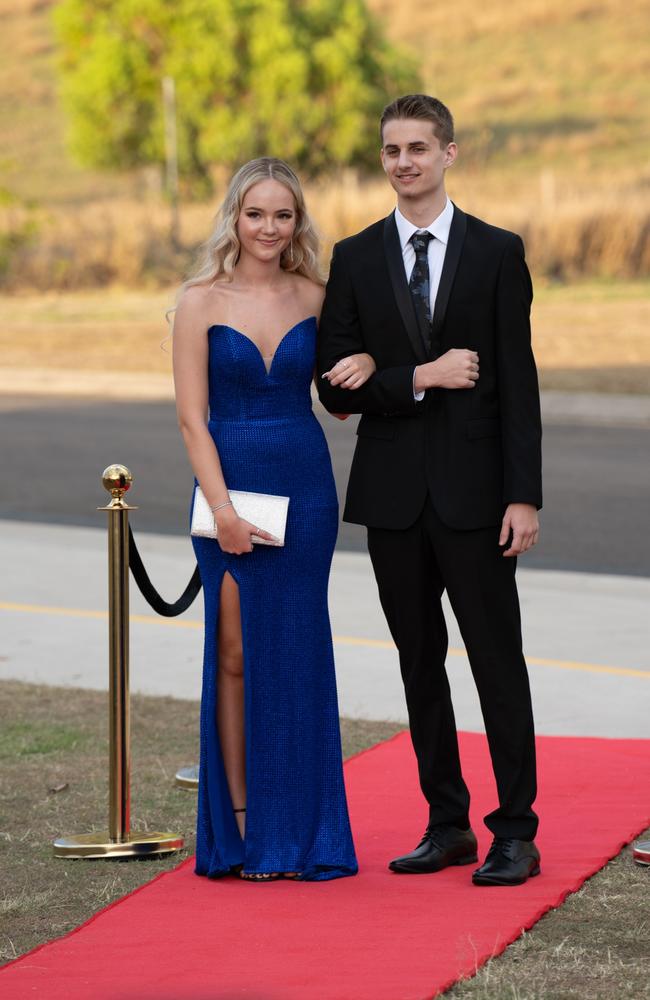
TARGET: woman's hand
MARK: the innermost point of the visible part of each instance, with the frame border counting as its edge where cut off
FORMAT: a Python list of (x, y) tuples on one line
[(351, 372), (235, 535)]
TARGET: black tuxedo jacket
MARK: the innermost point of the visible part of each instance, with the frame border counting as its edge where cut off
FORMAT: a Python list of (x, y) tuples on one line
[(474, 450)]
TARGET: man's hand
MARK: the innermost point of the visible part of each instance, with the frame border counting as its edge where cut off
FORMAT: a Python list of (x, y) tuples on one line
[(457, 369), (520, 519), (351, 372)]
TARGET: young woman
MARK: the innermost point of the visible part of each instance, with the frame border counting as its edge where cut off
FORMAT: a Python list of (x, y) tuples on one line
[(271, 795)]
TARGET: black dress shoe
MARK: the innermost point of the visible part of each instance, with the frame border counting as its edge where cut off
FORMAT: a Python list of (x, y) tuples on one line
[(441, 846), (508, 862)]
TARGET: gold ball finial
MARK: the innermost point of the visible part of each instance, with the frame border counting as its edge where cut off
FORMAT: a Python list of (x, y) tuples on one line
[(117, 479)]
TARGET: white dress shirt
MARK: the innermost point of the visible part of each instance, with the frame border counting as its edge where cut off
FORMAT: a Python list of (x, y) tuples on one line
[(437, 248)]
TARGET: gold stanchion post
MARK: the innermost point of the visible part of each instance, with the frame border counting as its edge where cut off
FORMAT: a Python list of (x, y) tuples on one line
[(641, 852), (118, 841), (188, 777)]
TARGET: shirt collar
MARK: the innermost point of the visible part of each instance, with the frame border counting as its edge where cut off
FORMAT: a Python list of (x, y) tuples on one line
[(439, 227)]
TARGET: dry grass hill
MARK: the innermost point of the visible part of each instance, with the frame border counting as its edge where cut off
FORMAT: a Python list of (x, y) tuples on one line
[(558, 83), (544, 84), (552, 102)]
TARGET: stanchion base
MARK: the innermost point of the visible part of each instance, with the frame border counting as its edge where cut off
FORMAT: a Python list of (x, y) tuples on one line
[(100, 845), (188, 777), (641, 852)]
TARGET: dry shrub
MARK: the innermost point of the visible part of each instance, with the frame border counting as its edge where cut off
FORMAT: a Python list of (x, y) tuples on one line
[(100, 244), (568, 234), (612, 244)]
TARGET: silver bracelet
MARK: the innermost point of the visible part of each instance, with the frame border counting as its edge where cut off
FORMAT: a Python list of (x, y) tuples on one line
[(226, 503)]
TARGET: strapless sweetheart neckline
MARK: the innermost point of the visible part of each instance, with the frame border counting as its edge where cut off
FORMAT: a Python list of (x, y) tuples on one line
[(226, 326)]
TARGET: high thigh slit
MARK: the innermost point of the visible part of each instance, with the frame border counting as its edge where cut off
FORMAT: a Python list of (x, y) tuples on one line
[(269, 441), (230, 694)]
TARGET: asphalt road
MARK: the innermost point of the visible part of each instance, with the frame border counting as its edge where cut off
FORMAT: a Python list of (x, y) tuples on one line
[(53, 450)]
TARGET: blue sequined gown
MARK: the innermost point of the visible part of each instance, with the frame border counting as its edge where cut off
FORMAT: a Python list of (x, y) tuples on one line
[(269, 441)]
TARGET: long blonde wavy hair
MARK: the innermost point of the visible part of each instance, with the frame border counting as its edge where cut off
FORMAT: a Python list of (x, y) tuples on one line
[(220, 252)]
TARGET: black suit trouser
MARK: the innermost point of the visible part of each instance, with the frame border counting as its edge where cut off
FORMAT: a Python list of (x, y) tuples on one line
[(412, 568)]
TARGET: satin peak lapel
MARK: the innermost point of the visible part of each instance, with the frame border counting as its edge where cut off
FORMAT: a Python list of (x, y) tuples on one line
[(452, 256), (395, 262)]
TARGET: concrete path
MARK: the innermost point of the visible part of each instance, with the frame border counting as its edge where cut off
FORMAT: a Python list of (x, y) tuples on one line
[(587, 636)]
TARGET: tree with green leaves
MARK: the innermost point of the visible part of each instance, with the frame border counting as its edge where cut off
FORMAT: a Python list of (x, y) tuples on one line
[(301, 79)]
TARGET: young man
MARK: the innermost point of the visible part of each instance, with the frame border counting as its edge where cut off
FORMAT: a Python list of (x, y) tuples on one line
[(446, 473)]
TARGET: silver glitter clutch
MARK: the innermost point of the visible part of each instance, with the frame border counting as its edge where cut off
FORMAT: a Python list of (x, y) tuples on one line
[(264, 510)]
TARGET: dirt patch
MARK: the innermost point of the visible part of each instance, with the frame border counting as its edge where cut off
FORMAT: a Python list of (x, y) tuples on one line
[(632, 380), (587, 338)]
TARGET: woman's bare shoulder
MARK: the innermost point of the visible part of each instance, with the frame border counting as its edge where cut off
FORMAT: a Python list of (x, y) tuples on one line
[(194, 299), (198, 304), (311, 294)]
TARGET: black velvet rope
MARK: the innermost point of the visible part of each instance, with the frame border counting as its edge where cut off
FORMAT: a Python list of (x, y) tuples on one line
[(150, 593)]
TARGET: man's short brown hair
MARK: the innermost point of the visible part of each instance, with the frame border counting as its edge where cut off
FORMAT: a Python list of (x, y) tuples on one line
[(424, 107)]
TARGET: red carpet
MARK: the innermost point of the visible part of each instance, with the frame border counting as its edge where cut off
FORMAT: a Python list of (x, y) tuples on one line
[(374, 937)]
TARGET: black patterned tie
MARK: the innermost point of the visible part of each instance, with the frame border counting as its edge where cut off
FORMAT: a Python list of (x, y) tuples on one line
[(419, 285)]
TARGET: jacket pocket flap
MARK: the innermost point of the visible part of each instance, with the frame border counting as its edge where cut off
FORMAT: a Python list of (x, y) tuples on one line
[(485, 427), (384, 430)]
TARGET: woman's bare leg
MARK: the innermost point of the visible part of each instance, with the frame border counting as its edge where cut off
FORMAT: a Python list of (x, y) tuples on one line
[(230, 697), (230, 704)]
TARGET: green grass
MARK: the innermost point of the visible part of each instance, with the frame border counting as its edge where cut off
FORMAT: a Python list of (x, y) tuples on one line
[(23, 739)]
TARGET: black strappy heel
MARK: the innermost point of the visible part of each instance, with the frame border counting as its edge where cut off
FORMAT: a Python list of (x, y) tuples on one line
[(238, 869), (261, 876)]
